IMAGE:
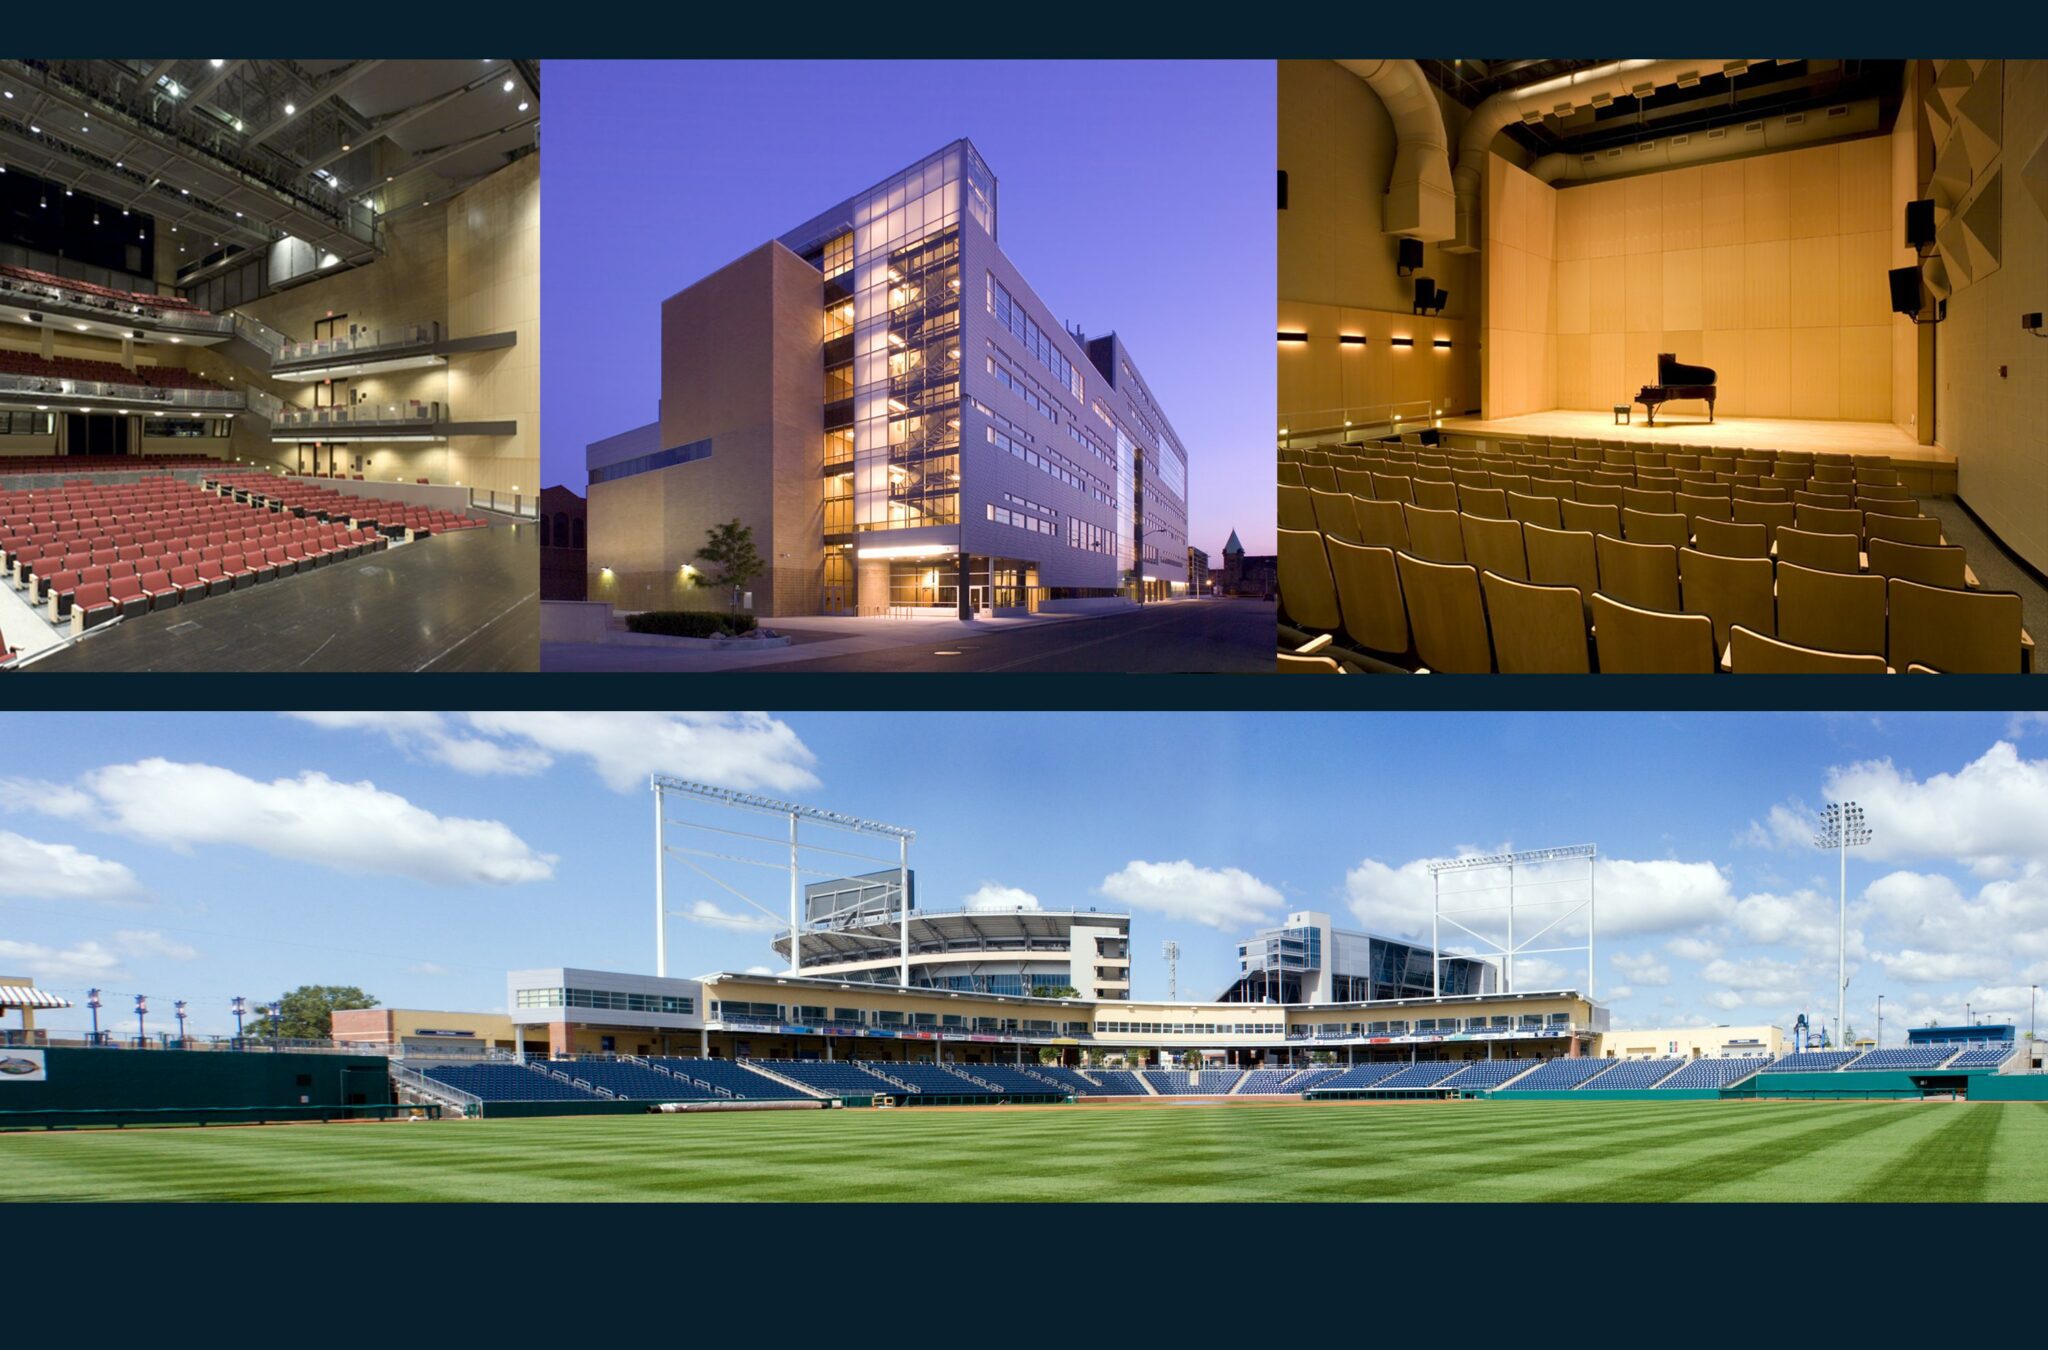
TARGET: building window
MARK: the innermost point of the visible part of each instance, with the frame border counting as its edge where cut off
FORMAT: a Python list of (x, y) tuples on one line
[(660, 459)]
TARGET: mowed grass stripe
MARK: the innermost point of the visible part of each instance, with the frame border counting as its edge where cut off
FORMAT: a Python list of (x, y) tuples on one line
[(1499, 1150)]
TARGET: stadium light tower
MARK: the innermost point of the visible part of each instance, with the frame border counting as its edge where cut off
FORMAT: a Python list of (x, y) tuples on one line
[(1171, 951), (1841, 829), (180, 1008), (238, 1008), (92, 1001), (141, 1011)]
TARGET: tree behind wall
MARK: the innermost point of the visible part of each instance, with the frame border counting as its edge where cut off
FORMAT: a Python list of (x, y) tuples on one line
[(730, 554), (307, 1013)]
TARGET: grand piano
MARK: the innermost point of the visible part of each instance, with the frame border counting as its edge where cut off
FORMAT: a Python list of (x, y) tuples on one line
[(1675, 379)]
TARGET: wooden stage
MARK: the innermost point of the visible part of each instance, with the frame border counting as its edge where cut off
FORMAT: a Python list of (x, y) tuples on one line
[(468, 601)]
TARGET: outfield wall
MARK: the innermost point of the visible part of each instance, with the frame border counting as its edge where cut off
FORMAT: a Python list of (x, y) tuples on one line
[(1611, 1095), (1851, 1085), (186, 1086), (2009, 1087)]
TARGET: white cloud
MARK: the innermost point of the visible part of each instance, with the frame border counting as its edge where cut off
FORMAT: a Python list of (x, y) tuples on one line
[(426, 968), (757, 970), (1987, 814), (1643, 967), (434, 736), (31, 869), (77, 964), (1938, 967), (1632, 898), (138, 942), (705, 912), (351, 827), (1220, 897), (1536, 972), (993, 897), (1693, 948), (746, 751)]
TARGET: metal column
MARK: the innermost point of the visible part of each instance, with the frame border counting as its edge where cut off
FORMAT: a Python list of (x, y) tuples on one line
[(660, 897)]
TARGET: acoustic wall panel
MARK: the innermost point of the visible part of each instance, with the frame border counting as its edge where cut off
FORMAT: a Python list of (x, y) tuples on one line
[(1682, 291)]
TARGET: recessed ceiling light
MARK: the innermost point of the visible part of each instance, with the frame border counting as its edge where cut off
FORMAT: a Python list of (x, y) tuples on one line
[(524, 106), (290, 108), (508, 86), (217, 63)]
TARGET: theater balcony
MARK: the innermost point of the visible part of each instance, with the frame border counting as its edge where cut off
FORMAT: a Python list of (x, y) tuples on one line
[(36, 299), (411, 421), (377, 351)]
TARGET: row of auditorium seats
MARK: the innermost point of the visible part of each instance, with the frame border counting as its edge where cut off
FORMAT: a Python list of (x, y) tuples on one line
[(396, 518), (102, 372), (15, 465), (1521, 585), (70, 288)]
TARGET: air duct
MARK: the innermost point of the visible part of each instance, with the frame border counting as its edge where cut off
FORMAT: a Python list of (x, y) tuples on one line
[(1419, 201), (1558, 97), (1729, 140)]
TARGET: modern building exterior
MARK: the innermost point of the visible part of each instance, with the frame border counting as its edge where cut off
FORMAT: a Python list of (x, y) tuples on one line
[(1308, 960), (853, 931), (900, 420)]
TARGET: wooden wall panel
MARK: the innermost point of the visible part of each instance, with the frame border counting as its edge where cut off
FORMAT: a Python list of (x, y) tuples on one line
[(1867, 372), (1767, 201), (1866, 295), (1574, 216), (1721, 192), (1643, 214), (1643, 293), (1638, 362), (1816, 281), (1574, 370), (1816, 191), (1574, 293), (1721, 286), (1607, 372), (1539, 289), (1725, 351), (1687, 345), (1609, 290), (1767, 278), (1608, 213), (1682, 307), (1681, 209), (1767, 355), (1816, 389), (1866, 188)]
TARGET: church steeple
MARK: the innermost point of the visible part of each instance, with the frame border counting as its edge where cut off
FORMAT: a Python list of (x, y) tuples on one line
[(1233, 546)]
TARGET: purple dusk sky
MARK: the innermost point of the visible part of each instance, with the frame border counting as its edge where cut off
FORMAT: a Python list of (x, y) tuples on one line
[(1135, 196)]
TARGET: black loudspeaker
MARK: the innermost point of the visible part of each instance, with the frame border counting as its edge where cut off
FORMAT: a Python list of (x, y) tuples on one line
[(1410, 259), (1283, 189), (1425, 293), (1905, 290), (1920, 223)]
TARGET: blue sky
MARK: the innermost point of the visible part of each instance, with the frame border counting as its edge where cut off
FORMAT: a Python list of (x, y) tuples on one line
[(1135, 196), (421, 855)]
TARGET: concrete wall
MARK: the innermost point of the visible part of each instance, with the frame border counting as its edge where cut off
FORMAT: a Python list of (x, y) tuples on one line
[(1770, 269), (741, 366), (1992, 376)]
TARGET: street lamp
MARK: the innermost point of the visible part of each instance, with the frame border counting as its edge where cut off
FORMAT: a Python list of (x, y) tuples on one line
[(141, 1010), (238, 1007), (1841, 829), (92, 1001), (179, 1006)]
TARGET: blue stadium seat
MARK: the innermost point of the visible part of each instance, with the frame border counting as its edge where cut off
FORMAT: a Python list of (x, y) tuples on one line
[(1713, 1073), (1636, 1074), (1267, 1083), (1358, 1076), (1984, 1057), (1560, 1075), (1486, 1073), (1911, 1057), (1060, 1077), (1117, 1083), (733, 1076), (1812, 1061), (837, 1078), (507, 1083)]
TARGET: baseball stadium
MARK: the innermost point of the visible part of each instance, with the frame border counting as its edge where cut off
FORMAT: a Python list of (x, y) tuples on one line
[(902, 1053)]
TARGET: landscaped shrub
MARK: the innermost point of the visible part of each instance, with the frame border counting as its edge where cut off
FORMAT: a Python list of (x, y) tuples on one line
[(681, 623)]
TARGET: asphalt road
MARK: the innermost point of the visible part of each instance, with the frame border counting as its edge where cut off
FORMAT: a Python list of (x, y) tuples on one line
[(1216, 636)]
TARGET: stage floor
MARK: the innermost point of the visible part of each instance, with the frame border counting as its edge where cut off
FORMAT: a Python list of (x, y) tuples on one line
[(1729, 433)]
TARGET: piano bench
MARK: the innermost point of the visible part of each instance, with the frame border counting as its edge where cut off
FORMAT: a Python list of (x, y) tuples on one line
[(1621, 413)]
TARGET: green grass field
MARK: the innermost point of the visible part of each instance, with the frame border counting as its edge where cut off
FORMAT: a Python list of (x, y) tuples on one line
[(1475, 1151)]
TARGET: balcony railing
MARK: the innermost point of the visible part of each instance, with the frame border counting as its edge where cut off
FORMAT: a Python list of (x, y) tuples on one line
[(45, 386), (44, 296), (348, 415), (362, 343)]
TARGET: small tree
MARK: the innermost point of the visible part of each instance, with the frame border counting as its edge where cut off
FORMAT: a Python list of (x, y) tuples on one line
[(1054, 991), (307, 1013), (729, 552)]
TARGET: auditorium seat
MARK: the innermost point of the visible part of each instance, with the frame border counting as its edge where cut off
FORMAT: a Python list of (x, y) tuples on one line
[(1446, 615), (1380, 524), (1730, 539), (1602, 518), (1644, 575), (1728, 591), (1434, 495), (1536, 630), (1955, 632), (1307, 592), (1633, 641), (1490, 502), (1773, 516), (1494, 545), (1333, 513), (1534, 510), (1389, 488), (1833, 552), (1831, 611), (1827, 520), (1369, 595), (1645, 527), (1751, 653), (1296, 663), (1433, 534), (91, 605), (1320, 476), (1929, 565)]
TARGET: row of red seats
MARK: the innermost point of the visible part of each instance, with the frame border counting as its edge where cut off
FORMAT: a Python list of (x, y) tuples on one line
[(417, 521), (95, 593), (103, 372), (98, 292), (129, 543), (40, 523)]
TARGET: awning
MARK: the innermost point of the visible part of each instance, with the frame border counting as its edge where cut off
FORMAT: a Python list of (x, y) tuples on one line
[(22, 996)]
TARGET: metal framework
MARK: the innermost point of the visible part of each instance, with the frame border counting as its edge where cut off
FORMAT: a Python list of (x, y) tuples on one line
[(794, 813), (1842, 828), (1512, 948)]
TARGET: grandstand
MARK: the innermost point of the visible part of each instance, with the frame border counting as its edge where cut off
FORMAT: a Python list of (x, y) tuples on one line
[(339, 307)]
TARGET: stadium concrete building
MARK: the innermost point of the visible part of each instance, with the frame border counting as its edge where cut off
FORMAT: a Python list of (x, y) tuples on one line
[(900, 420)]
